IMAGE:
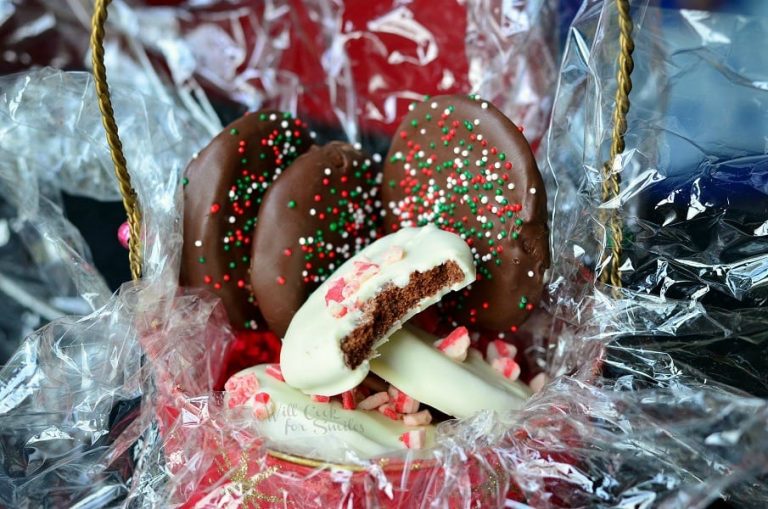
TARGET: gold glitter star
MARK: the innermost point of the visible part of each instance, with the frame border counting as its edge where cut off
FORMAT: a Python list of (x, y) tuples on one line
[(247, 484)]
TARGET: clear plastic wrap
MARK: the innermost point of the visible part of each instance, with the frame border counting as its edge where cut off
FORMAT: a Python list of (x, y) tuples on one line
[(120, 407)]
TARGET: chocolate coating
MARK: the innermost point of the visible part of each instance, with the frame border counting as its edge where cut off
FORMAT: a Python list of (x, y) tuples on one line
[(458, 162), (323, 209), (223, 190)]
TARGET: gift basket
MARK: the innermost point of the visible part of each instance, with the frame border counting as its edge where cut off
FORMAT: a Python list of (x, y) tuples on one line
[(643, 360)]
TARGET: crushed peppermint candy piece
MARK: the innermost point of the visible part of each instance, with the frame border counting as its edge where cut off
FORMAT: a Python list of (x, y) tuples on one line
[(394, 254), (365, 270), (418, 419), (263, 406), (388, 409), (274, 371), (455, 345), (538, 382), (498, 348), (507, 367), (336, 291), (403, 403), (373, 401), (337, 310), (241, 388), (348, 400), (414, 439)]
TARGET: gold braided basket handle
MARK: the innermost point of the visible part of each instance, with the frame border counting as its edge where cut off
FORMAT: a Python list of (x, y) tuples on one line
[(611, 218), (611, 179), (130, 200)]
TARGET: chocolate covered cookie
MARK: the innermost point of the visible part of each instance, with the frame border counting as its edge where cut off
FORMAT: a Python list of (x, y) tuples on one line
[(324, 208), (223, 190), (458, 162)]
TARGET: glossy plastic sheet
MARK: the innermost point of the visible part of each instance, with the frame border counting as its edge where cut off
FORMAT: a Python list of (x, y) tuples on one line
[(654, 402)]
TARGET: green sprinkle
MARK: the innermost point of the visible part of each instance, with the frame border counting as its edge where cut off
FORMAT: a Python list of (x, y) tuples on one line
[(184, 181), (414, 123), (244, 161), (428, 116), (201, 259), (519, 222), (515, 235), (292, 204), (469, 125), (502, 156), (233, 131)]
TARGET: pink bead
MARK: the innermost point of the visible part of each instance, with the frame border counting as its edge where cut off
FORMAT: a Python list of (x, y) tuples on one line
[(124, 234)]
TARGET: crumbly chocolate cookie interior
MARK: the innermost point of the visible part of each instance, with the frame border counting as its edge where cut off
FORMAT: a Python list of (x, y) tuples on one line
[(391, 305)]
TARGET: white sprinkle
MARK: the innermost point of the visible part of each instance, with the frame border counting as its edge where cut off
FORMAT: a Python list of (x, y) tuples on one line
[(284, 124), (357, 146), (511, 185), (479, 137), (532, 190), (376, 158), (476, 121), (434, 105), (232, 219), (422, 131), (411, 107), (312, 212), (198, 243), (327, 171), (484, 105), (530, 273), (273, 117), (313, 134)]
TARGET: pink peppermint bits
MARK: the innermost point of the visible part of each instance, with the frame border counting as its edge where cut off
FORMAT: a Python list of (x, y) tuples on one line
[(388, 410), (402, 402), (498, 348), (414, 439), (348, 400), (240, 388), (455, 345), (275, 372), (418, 419), (373, 401), (507, 367), (263, 406)]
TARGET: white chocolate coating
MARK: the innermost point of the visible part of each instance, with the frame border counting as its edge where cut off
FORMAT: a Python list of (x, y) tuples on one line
[(325, 430), (410, 362), (311, 357)]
